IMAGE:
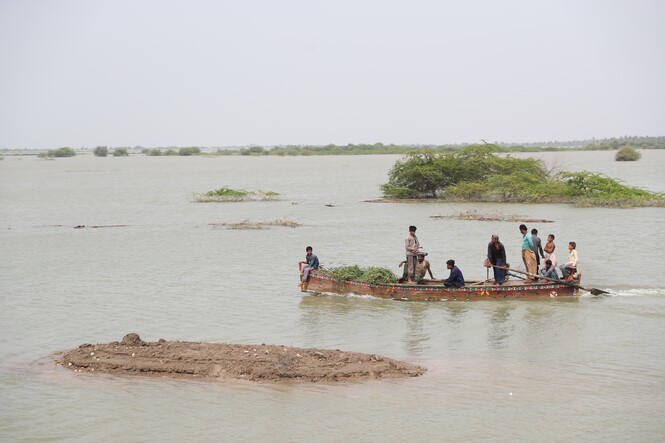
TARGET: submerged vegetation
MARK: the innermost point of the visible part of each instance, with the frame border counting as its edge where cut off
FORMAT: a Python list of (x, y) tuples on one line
[(372, 274), (156, 152), (247, 224), (481, 173), (226, 194), (474, 215), (627, 154), (120, 152), (60, 152)]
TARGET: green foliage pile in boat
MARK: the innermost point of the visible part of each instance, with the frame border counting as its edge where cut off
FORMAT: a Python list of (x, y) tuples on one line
[(481, 173), (226, 194), (627, 154), (372, 274)]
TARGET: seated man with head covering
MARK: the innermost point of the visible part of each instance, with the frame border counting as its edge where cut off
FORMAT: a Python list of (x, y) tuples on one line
[(422, 268), (496, 255)]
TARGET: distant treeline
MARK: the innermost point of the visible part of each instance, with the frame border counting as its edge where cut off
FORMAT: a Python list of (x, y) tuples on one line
[(379, 148), (605, 144)]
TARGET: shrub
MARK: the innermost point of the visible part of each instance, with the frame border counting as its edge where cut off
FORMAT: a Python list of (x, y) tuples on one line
[(120, 152), (189, 151), (627, 154), (60, 152), (101, 151)]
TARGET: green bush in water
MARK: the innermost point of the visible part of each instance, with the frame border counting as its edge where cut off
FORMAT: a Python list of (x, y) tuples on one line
[(627, 154)]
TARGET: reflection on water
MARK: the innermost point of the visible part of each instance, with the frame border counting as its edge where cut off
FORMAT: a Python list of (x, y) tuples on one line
[(417, 335), (499, 327), (455, 311)]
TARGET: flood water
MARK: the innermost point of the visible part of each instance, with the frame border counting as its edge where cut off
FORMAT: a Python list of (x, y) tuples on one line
[(587, 370)]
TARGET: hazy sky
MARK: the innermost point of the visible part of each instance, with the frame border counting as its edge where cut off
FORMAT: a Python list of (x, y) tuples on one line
[(222, 73)]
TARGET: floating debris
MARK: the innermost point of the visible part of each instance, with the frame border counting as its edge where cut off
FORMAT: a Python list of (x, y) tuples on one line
[(226, 195), (475, 216), (247, 224), (99, 226)]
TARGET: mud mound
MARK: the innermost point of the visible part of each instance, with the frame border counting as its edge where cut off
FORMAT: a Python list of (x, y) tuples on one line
[(263, 363)]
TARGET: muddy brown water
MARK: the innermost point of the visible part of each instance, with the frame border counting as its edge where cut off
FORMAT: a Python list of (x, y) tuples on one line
[(591, 369)]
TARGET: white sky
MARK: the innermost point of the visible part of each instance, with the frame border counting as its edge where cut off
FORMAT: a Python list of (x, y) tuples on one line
[(220, 73)]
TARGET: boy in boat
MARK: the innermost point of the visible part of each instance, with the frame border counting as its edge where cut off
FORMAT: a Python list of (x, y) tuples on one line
[(549, 270), (422, 268), (412, 245), (569, 268), (311, 263), (456, 279), (549, 248)]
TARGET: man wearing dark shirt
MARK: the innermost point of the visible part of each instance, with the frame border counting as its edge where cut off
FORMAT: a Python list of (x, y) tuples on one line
[(538, 247), (456, 278), (496, 254), (311, 263)]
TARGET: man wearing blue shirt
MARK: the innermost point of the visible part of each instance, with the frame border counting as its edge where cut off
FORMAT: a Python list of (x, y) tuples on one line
[(528, 253), (456, 279), (311, 263)]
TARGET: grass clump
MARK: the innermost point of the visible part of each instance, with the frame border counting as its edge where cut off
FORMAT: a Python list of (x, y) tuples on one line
[(226, 194), (372, 274), (627, 154)]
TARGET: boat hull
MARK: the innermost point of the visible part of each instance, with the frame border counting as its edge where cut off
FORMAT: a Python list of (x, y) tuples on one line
[(435, 291)]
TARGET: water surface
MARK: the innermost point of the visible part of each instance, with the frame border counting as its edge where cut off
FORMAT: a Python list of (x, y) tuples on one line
[(592, 369)]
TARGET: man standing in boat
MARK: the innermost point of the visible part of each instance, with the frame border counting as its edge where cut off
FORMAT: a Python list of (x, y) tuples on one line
[(528, 254), (496, 254), (412, 245)]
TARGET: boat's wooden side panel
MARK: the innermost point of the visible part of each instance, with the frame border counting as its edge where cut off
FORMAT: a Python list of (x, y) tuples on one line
[(539, 290)]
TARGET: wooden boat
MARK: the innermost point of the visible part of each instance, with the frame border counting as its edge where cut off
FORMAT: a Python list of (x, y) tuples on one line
[(434, 290)]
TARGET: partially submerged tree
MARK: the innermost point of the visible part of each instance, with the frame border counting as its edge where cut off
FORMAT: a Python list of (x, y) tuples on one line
[(120, 152), (480, 173), (627, 154)]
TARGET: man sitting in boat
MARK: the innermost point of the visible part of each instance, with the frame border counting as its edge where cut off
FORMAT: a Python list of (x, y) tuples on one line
[(311, 263), (549, 269), (422, 268), (456, 279)]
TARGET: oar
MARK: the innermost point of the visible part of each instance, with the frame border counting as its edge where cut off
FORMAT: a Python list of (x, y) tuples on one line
[(594, 291)]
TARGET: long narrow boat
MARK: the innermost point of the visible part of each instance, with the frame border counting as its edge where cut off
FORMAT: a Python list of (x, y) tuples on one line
[(434, 290)]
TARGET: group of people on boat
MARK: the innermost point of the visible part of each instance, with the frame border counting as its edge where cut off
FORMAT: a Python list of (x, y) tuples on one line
[(416, 267), (532, 252)]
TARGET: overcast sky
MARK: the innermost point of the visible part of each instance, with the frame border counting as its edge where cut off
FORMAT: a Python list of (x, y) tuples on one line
[(227, 73)]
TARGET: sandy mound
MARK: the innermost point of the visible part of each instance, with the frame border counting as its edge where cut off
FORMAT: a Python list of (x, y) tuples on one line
[(267, 363)]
